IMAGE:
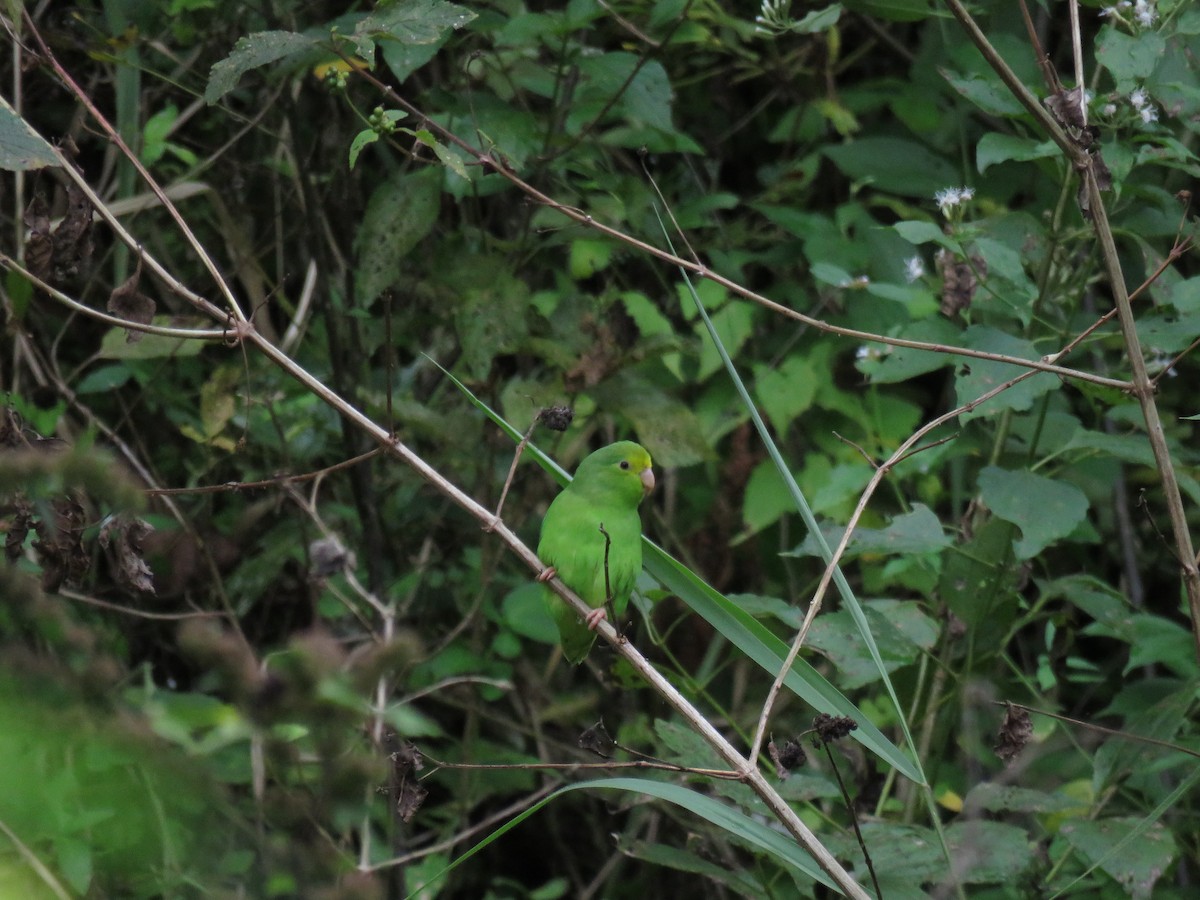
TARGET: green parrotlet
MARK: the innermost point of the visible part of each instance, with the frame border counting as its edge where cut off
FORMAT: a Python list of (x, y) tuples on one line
[(608, 487)]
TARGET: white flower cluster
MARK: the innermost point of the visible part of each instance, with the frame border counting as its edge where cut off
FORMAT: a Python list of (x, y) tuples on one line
[(948, 198), (1145, 13), (1144, 105)]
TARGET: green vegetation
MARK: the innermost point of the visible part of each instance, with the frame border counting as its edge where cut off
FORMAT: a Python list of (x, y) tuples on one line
[(907, 330)]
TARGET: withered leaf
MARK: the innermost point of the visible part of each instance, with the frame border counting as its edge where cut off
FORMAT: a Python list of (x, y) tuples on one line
[(73, 236), (409, 798), (598, 740), (39, 245), (1015, 732), (1067, 107), (833, 728), (122, 536), (409, 793), (18, 528), (958, 281), (60, 544), (127, 302)]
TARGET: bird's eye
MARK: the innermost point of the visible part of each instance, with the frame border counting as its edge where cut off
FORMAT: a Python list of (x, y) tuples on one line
[(624, 464)]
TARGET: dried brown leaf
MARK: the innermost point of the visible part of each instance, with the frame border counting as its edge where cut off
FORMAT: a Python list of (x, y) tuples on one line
[(122, 536), (1067, 107), (73, 236), (1014, 734), (39, 245), (127, 302), (959, 281), (60, 545), (598, 740)]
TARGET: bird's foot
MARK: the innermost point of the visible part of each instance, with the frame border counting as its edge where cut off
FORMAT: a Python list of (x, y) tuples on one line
[(594, 618), (546, 574)]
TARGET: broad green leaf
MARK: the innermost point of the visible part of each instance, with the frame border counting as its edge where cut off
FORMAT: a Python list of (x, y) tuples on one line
[(976, 377), (836, 636), (252, 52), (21, 148), (786, 390), (995, 147), (399, 214), (921, 232), (1129, 57), (900, 166), (1135, 854), (524, 611), (918, 531), (902, 363), (589, 256), (409, 22), (988, 93), (153, 346), (1045, 510), (664, 424)]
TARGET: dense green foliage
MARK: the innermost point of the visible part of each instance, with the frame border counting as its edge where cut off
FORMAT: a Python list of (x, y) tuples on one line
[(401, 192)]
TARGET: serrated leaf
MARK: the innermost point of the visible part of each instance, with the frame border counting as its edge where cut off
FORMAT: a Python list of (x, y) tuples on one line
[(412, 22), (252, 52)]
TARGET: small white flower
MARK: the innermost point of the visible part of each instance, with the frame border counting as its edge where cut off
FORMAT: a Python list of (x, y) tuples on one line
[(914, 269), (1138, 98), (948, 198), (1149, 114), (1109, 110), (1145, 13)]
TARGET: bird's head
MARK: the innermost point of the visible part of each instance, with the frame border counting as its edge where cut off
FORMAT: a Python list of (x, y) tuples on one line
[(623, 468)]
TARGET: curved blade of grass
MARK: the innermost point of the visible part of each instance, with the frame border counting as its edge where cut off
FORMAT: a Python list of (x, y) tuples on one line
[(810, 522), (723, 816), (739, 627)]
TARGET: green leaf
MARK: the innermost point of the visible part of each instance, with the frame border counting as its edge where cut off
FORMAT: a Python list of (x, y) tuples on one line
[(665, 425), (921, 232), (902, 363), (1131, 58), (525, 612), (976, 377), (1044, 510), (153, 346), (252, 52), (364, 137), (589, 256), (399, 214), (787, 390), (988, 93), (996, 148), (21, 148), (1134, 853), (409, 22), (918, 531), (900, 166)]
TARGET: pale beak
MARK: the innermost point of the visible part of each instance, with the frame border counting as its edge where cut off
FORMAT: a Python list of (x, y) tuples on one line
[(647, 481)]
